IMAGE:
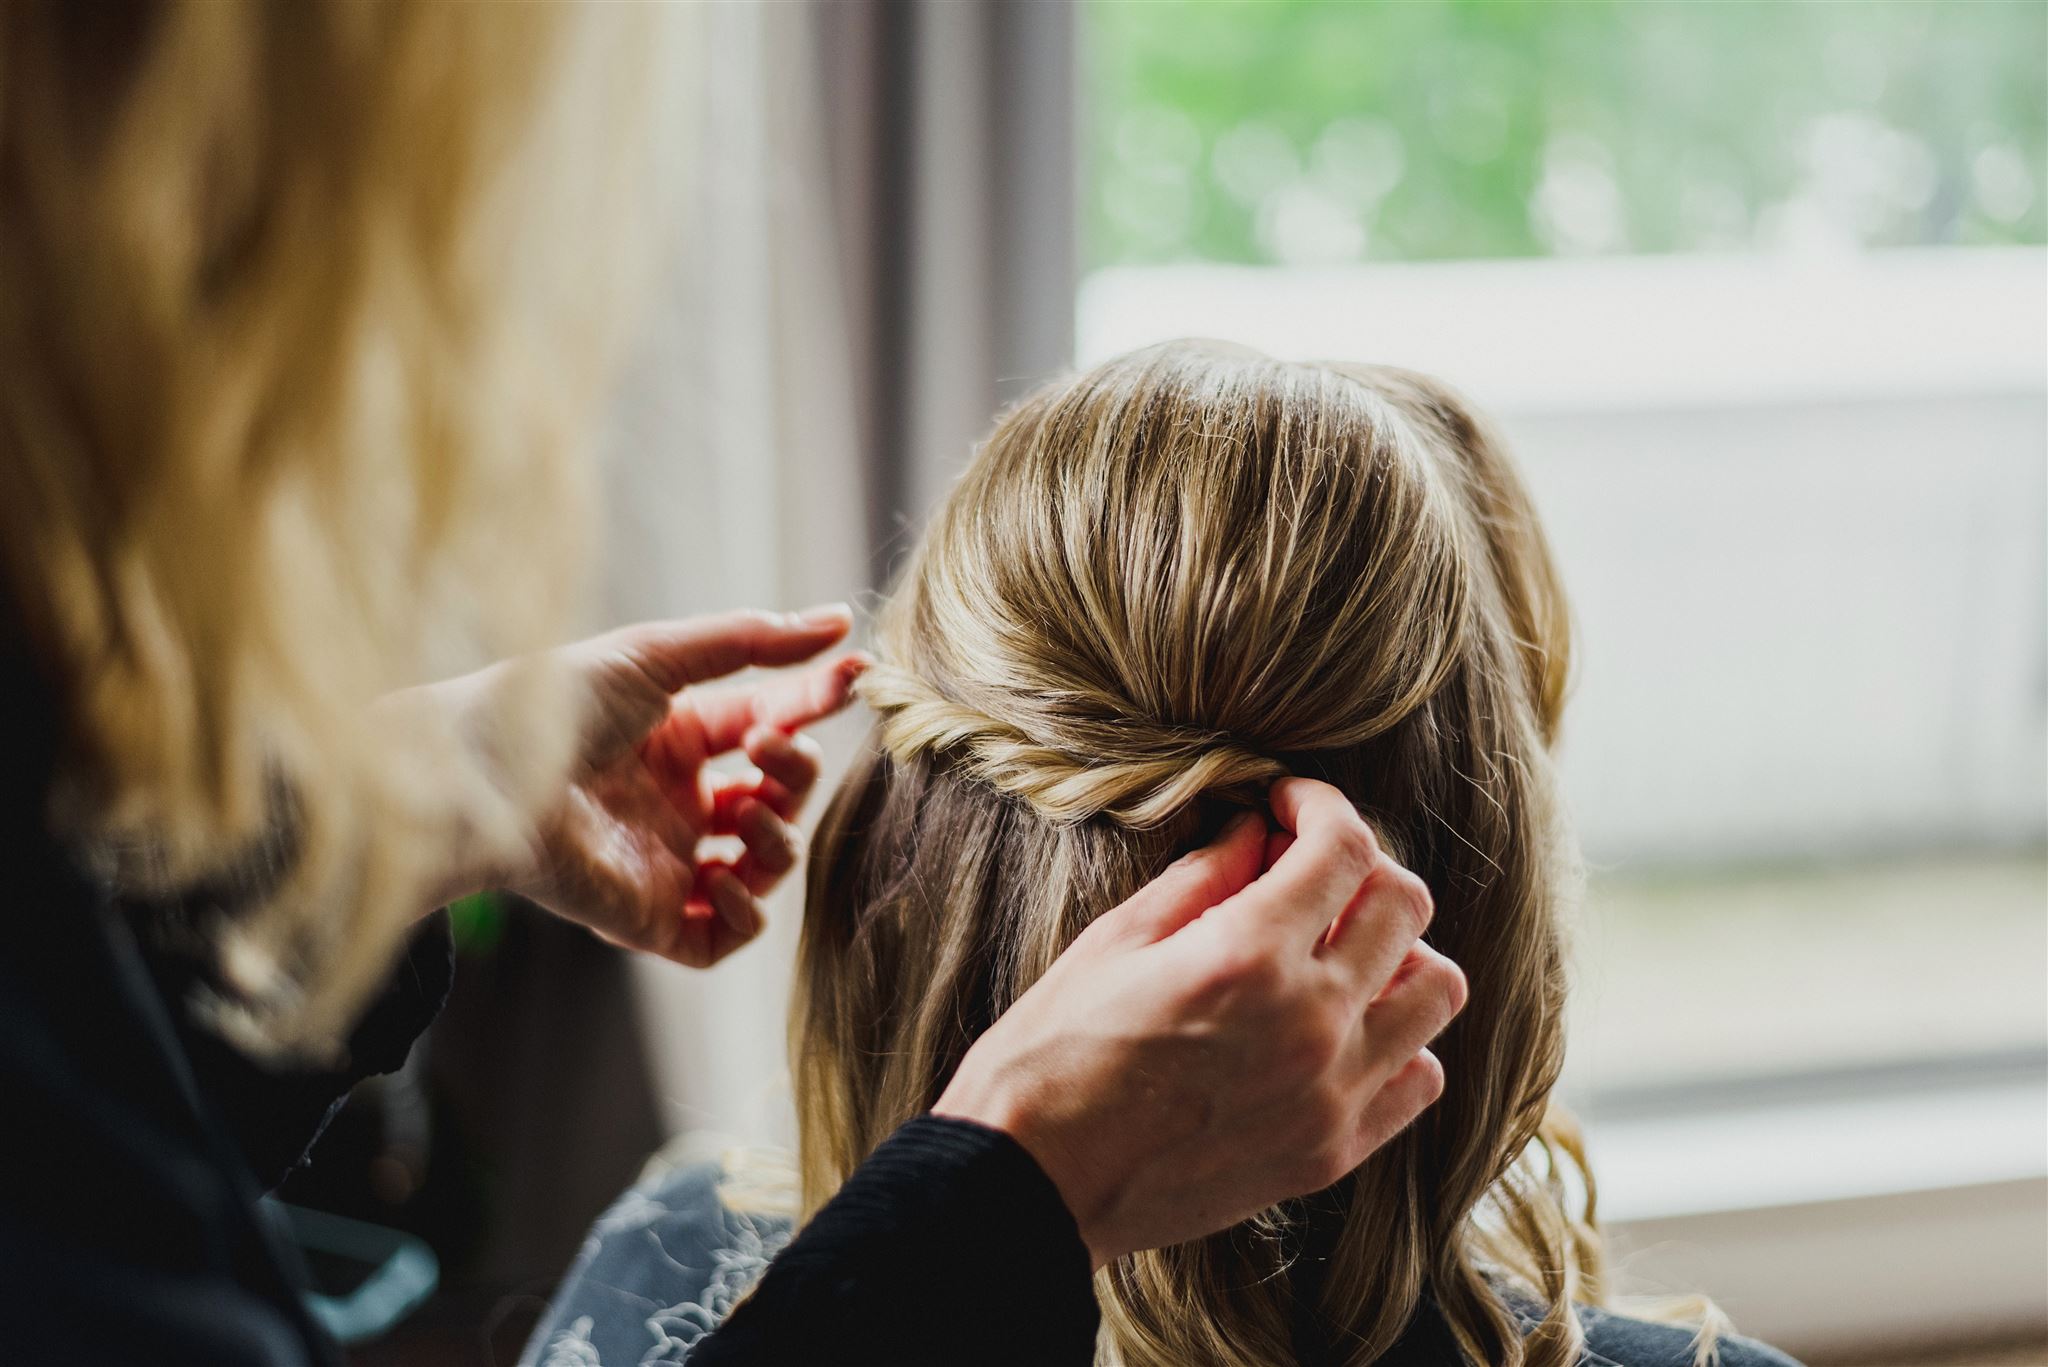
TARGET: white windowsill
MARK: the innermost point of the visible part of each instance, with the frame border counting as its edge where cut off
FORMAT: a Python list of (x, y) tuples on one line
[(1844, 1224), (1833, 1223), (1831, 1149), (1601, 334)]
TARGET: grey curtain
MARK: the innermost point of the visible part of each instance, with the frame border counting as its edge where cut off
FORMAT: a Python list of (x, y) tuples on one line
[(949, 137)]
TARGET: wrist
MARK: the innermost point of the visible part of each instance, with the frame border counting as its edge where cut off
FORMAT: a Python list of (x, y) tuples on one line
[(467, 833), (995, 1100), (462, 861)]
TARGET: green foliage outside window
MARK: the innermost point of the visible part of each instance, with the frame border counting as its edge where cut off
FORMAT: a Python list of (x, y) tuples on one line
[(1318, 131)]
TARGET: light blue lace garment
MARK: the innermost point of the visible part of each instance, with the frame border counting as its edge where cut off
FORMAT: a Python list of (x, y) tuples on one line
[(659, 1271), (667, 1262)]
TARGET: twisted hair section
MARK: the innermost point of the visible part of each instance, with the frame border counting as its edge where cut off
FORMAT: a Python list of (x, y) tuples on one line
[(1157, 587), (1148, 775), (1158, 614)]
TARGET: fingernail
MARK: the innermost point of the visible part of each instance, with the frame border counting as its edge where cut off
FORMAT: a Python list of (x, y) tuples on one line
[(825, 615)]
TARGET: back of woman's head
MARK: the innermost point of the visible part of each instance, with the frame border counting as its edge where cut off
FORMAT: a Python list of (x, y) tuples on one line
[(1158, 587)]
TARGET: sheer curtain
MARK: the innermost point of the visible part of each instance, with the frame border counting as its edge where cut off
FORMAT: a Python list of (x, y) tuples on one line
[(734, 478), (875, 247)]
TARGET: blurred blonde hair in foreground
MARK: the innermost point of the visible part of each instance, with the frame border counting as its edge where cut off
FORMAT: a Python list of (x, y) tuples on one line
[(296, 341), (1159, 586)]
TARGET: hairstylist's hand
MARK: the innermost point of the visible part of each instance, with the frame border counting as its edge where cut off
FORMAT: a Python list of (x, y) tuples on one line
[(1216, 1043), (622, 852)]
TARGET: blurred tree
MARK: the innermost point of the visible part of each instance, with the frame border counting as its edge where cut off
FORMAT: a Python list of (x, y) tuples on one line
[(1311, 131)]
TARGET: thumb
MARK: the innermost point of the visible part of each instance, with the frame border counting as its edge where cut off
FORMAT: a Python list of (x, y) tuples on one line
[(675, 654), (1190, 886)]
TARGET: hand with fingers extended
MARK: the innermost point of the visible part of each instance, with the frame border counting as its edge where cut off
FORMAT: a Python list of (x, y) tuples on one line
[(1249, 1027), (623, 851)]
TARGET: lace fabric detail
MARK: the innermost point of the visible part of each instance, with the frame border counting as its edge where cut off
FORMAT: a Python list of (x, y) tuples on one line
[(659, 1270)]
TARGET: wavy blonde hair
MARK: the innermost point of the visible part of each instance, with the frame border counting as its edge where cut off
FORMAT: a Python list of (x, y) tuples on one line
[(295, 337), (1157, 587)]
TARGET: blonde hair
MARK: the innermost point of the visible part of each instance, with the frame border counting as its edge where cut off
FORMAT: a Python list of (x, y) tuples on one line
[(1158, 586), (293, 347)]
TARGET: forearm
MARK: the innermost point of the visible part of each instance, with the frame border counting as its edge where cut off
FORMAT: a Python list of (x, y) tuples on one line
[(948, 1245)]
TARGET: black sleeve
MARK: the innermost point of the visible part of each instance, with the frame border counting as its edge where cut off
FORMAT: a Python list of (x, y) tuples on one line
[(949, 1245), (276, 1110)]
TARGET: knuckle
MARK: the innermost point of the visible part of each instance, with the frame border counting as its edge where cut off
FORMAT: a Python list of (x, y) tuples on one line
[(1418, 887), (1451, 984), (1414, 896), (1432, 1084), (1359, 847)]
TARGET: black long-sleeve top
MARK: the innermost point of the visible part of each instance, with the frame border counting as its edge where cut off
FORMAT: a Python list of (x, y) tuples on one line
[(979, 1263), (138, 1144)]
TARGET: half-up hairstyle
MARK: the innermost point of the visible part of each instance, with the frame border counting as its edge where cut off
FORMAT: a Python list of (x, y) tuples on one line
[(1158, 587)]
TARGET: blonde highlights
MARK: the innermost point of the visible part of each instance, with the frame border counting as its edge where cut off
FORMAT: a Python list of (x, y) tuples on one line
[(289, 391), (1159, 586)]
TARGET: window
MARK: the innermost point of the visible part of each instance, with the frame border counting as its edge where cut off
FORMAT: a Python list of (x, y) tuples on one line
[(1760, 295), (1758, 292), (1288, 132)]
